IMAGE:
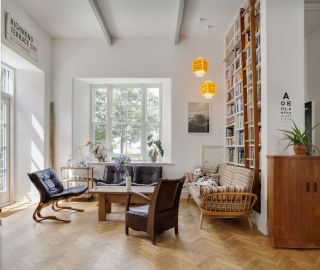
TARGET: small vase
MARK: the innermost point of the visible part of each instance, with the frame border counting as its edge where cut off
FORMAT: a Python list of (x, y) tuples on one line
[(154, 157), (300, 150), (128, 182)]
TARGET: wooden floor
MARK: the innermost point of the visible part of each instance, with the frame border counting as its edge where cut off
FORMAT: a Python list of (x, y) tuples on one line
[(86, 243)]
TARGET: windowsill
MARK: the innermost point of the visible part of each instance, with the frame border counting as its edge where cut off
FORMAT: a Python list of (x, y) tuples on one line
[(94, 162)]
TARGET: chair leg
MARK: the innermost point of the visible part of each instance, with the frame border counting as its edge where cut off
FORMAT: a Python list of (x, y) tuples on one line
[(153, 239), (189, 196), (38, 217), (59, 207), (176, 229), (250, 222), (201, 219), (127, 230)]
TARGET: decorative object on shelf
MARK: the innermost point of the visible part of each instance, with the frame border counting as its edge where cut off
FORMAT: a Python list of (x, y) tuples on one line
[(100, 152), (121, 166), (200, 67), (299, 139), (199, 117), (88, 143), (70, 162), (208, 89), (155, 148), (83, 163)]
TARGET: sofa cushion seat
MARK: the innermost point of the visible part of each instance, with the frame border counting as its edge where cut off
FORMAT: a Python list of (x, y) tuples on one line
[(195, 193)]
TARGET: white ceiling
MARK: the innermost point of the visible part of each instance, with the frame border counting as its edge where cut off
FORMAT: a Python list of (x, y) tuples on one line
[(131, 18), (64, 18), (218, 13), (140, 18)]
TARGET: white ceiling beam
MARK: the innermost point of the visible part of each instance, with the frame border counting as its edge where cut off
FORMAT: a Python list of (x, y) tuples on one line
[(179, 21), (101, 20)]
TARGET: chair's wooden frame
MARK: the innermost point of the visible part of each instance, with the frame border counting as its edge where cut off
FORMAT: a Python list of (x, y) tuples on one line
[(56, 207), (228, 205)]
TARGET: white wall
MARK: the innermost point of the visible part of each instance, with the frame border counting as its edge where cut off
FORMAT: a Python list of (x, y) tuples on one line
[(29, 131), (142, 58), (282, 26), (32, 97), (313, 79), (81, 117)]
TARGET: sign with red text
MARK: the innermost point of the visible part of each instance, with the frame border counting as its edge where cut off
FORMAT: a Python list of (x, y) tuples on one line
[(21, 38)]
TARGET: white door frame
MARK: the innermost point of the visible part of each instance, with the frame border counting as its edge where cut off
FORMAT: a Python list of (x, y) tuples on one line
[(7, 196)]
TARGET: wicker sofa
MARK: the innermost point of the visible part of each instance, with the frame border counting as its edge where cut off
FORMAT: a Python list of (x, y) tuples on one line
[(232, 198)]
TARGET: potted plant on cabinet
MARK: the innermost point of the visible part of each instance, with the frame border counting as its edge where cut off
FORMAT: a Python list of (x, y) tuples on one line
[(299, 139), (155, 148)]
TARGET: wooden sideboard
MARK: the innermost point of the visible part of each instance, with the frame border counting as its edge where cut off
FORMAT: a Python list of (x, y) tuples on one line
[(294, 201)]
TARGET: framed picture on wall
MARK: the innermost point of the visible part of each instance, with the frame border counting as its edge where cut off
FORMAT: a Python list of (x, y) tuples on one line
[(199, 117)]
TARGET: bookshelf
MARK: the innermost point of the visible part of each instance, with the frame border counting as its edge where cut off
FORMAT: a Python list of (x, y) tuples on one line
[(243, 91)]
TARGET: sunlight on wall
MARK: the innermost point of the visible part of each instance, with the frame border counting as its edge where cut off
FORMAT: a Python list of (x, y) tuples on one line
[(36, 156), (37, 127)]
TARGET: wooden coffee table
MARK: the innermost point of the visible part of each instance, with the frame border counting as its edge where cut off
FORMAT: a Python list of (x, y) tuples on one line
[(117, 194)]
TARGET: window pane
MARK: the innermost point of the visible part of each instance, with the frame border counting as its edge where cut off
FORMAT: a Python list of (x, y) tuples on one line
[(153, 95), (153, 128), (119, 102), (7, 80), (101, 105), (126, 102), (153, 114), (118, 137), (2, 181), (133, 137), (100, 135)]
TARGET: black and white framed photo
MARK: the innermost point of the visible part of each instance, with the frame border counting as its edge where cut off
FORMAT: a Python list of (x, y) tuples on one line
[(199, 117)]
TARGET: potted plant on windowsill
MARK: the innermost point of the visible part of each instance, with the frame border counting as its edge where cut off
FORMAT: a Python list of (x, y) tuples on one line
[(155, 148), (299, 139)]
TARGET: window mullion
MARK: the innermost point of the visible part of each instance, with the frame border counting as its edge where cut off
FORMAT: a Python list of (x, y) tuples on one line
[(109, 119), (143, 124)]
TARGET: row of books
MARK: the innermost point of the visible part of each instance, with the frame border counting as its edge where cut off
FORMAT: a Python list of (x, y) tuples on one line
[(235, 107), (239, 138), (239, 121), (229, 132), (238, 89)]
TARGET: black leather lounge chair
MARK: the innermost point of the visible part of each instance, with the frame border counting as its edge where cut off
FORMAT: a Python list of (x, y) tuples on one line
[(51, 191)]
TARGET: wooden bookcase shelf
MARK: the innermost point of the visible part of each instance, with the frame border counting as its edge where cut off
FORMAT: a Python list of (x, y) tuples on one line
[(243, 91)]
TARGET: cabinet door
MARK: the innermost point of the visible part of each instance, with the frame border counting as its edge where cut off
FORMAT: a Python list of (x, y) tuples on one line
[(304, 188), (316, 203), (294, 202)]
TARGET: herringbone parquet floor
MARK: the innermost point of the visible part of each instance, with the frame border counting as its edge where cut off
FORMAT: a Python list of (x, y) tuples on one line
[(86, 243)]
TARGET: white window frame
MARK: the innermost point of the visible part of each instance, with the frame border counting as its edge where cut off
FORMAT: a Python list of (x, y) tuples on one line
[(109, 120), (11, 139)]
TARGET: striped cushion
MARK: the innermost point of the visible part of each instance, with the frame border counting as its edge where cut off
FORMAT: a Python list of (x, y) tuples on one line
[(205, 190), (226, 176), (221, 168), (241, 177)]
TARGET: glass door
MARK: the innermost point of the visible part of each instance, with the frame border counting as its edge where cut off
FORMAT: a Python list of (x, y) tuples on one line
[(4, 150)]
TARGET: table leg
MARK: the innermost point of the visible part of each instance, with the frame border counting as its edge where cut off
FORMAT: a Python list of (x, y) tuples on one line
[(108, 205), (102, 207)]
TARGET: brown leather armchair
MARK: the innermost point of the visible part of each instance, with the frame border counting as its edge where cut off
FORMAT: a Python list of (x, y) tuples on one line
[(160, 213)]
